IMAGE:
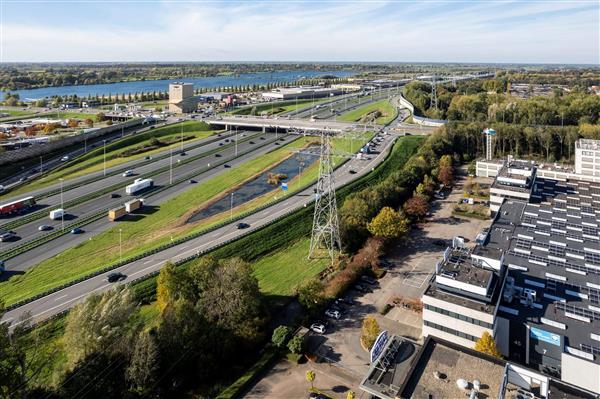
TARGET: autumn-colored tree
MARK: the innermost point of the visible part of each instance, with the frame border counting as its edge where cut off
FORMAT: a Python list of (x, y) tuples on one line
[(350, 395), (446, 175), (417, 206), (445, 160), (100, 116), (487, 344), (369, 332), (89, 122), (166, 286), (310, 377), (73, 123), (50, 127), (389, 224)]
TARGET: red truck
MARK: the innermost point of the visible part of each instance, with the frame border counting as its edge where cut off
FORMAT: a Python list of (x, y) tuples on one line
[(16, 206)]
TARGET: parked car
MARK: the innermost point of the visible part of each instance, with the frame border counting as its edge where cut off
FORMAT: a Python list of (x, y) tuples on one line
[(318, 328), (76, 230), (114, 277), (368, 280), (45, 227), (242, 225), (334, 314)]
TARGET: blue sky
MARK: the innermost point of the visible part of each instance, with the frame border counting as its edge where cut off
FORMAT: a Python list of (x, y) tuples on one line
[(362, 30)]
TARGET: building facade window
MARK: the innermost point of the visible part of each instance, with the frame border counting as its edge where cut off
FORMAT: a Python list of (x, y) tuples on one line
[(450, 331), (459, 316)]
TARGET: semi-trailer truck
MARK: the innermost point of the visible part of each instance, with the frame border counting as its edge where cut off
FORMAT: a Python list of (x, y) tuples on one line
[(116, 213), (134, 205), (138, 185), (17, 206)]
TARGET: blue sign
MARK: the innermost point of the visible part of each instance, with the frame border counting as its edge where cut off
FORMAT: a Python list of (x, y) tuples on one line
[(542, 335), (378, 346), (284, 186)]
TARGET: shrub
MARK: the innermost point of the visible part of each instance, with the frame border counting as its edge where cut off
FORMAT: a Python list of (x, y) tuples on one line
[(280, 336), (296, 345)]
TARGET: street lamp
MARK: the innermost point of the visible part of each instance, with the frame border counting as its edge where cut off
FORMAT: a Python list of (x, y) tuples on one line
[(236, 142), (171, 166), (41, 166), (104, 157), (231, 208)]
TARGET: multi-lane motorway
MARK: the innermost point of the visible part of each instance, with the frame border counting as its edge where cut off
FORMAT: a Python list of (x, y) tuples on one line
[(64, 299)]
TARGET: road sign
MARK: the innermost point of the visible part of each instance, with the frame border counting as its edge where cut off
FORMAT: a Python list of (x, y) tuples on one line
[(284, 186), (378, 346)]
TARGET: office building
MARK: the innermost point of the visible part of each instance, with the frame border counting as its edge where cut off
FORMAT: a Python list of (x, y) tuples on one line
[(181, 98), (587, 157)]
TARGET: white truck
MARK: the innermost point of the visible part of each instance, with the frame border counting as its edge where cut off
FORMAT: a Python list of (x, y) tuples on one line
[(57, 214), (138, 185), (134, 205)]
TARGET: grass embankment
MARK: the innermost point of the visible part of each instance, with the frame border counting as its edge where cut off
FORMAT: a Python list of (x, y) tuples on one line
[(386, 111), (278, 107), (93, 160), (152, 228), (16, 112), (67, 115)]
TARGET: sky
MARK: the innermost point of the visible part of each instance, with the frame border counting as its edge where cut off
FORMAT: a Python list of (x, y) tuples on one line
[(520, 31)]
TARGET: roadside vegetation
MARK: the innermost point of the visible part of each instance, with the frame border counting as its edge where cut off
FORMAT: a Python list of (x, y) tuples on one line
[(277, 107), (380, 112), (119, 152)]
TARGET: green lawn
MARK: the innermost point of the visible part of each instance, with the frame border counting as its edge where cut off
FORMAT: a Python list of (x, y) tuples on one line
[(278, 107), (155, 228), (93, 160), (387, 110), (281, 272), (68, 115), (16, 112)]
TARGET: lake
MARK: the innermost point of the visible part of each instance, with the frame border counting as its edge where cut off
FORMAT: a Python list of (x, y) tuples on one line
[(163, 85)]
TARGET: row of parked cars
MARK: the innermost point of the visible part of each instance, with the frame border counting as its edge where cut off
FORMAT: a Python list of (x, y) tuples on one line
[(336, 310)]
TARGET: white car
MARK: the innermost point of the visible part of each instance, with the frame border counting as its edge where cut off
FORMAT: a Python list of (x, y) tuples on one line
[(128, 173), (318, 328), (65, 158), (334, 314)]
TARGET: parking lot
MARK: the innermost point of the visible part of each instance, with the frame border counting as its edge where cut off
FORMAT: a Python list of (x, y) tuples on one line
[(413, 261)]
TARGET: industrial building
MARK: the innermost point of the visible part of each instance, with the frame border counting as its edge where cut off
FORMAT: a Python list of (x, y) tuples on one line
[(292, 93), (546, 237), (181, 98)]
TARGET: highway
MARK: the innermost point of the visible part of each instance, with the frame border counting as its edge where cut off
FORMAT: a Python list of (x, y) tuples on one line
[(64, 299), (254, 144)]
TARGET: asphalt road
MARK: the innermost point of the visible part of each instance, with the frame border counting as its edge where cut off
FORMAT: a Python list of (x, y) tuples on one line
[(64, 299), (199, 168)]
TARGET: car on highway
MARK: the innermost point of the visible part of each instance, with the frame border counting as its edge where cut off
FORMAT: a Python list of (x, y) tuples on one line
[(7, 236), (218, 155), (127, 173), (114, 195), (1, 188), (76, 230), (227, 165), (334, 314), (352, 171), (220, 143), (65, 158), (276, 143), (192, 181), (318, 328), (114, 277), (22, 179), (45, 227), (147, 157), (262, 138), (252, 142), (183, 153), (242, 225)]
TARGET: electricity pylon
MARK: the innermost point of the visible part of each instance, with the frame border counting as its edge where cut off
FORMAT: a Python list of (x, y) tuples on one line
[(326, 226)]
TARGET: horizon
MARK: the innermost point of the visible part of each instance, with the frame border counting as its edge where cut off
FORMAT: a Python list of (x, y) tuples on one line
[(433, 31)]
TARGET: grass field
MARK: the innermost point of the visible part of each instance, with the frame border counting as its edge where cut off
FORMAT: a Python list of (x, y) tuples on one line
[(153, 229), (16, 112), (93, 160), (387, 110), (281, 272), (278, 107), (68, 115)]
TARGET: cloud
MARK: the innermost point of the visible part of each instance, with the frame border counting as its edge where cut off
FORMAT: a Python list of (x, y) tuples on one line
[(452, 31)]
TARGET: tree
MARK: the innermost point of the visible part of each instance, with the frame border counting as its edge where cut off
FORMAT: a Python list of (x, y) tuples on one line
[(487, 344), (310, 377), (109, 123), (446, 175), (96, 376), (99, 323), (166, 286), (350, 395), (296, 345), (389, 224), (417, 206), (100, 116), (280, 336), (369, 332), (310, 295), (143, 366), (73, 123), (89, 122)]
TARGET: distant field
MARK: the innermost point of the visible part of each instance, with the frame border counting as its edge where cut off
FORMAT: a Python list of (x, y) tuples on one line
[(93, 160), (278, 107), (156, 228), (387, 110)]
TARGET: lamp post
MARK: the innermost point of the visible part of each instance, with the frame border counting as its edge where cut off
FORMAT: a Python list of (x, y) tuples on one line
[(236, 141), (104, 157), (171, 166), (62, 206), (182, 137), (41, 166), (231, 208)]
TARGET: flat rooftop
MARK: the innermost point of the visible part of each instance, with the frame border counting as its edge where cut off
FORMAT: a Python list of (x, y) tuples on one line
[(460, 266), (441, 364)]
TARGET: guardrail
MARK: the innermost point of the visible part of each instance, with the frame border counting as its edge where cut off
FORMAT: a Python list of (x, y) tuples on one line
[(15, 251), (181, 241), (420, 120)]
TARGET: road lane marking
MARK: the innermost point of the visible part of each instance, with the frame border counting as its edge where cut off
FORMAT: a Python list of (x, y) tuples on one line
[(60, 297)]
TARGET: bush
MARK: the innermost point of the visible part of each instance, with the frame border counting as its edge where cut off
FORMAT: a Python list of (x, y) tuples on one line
[(280, 336), (296, 344)]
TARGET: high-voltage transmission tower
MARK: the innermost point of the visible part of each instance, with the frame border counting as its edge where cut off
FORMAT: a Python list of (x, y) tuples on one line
[(326, 227), (434, 103)]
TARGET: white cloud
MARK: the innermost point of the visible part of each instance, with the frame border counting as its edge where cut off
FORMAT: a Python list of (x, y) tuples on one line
[(337, 31)]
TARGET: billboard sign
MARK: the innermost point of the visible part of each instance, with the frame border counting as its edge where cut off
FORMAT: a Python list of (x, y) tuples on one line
[(378, 346), (542, 335)]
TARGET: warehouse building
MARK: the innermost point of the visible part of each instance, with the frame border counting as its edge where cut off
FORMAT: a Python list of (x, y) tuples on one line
[(292, 93)]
